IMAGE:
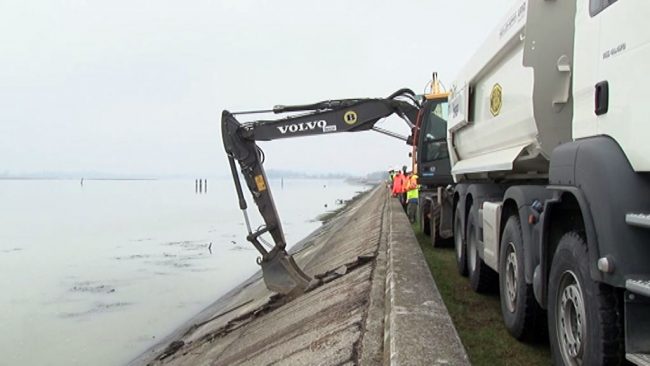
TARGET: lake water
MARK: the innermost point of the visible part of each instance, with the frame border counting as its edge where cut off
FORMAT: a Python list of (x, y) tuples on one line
[(94, 275)]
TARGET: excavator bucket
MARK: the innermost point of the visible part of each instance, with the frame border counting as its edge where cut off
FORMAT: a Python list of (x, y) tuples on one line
[(282, 274)]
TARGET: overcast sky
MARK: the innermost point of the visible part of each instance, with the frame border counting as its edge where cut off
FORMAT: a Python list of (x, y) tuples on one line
[(137, 87)]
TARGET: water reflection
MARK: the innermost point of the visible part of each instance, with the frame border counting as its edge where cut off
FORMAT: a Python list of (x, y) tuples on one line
[(93, 275)]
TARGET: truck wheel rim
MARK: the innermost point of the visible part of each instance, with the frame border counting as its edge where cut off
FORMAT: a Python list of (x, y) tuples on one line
[(570, 319), (511, 277)]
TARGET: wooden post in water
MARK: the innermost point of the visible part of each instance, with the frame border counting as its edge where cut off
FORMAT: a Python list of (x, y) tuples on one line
[(200, 185)]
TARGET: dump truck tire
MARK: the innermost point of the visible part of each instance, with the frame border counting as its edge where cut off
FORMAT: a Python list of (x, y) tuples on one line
[(459, 243), (584, 316), (521, 314)]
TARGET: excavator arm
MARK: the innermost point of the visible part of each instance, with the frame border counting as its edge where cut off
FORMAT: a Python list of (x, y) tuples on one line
[(280, 272)]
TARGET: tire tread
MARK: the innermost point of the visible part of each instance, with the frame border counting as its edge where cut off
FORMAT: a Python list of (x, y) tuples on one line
[(534, 318), (609, 310)]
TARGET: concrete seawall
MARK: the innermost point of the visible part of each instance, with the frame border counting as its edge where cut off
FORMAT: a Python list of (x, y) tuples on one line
[(375, 304)]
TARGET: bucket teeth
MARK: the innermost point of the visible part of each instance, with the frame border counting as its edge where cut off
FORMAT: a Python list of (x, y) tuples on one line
[(282, 274)]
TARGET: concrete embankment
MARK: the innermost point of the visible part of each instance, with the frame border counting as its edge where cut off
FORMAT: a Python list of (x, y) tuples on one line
[(375, 303)]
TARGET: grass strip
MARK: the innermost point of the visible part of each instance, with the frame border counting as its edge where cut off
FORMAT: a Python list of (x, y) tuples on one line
[(477, 317)]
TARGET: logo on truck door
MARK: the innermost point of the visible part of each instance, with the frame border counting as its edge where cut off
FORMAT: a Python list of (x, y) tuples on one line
[(496, 99)]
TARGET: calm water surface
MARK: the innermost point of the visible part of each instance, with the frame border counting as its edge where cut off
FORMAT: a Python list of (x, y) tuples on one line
[(94, 275)]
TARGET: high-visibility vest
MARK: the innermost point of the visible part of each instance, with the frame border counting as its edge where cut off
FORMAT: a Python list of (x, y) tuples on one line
[(413, 190), (413, 193)]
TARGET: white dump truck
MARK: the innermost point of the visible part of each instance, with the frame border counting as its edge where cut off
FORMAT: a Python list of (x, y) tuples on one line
[(549, 145)]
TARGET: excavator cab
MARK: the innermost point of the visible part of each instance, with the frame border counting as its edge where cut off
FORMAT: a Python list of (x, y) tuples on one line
[(430, 154)]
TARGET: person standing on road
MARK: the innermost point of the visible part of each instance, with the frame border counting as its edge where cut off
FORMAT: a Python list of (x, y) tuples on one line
[(404, 188), (412, 194), (391, 177), (398, 185)]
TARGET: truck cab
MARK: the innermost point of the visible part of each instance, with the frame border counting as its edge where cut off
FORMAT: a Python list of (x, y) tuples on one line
[(611, 74)]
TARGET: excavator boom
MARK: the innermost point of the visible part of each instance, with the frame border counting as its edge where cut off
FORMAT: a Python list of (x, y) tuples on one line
[(280, 272)]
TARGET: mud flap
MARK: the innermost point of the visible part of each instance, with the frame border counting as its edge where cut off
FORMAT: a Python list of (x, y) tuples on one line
[(282, 274)]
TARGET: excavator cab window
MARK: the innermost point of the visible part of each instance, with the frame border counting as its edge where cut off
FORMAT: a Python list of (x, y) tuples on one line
[(434, 131)]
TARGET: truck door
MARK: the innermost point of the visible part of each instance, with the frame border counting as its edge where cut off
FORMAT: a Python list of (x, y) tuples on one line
[(620, 91), (585, 73)]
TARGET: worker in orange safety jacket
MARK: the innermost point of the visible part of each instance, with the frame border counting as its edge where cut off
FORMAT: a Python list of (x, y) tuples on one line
[(399, 186)]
